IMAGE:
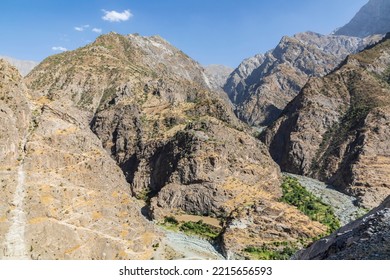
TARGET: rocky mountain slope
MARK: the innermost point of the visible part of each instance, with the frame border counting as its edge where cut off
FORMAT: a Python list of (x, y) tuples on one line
[(262, 86), (336, 129), (364, 239), (217, 75), (178, 143), (373, 18), (24, 66), (62, 196)]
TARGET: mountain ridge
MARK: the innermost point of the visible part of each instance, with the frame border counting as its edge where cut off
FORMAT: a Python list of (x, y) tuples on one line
[(339, 120), (276, 77), (24, 66), (373, 18)]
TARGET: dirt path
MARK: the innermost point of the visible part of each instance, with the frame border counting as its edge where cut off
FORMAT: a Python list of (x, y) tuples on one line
[(15, 246)]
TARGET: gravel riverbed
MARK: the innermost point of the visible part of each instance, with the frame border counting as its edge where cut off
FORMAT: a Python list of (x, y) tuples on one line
[(343, 205)]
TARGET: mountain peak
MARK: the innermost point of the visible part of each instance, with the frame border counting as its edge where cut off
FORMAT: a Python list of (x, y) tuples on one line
[(373, 18)]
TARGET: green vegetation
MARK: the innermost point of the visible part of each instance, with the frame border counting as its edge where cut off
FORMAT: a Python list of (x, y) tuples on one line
[(198, 228), (296, 195), (171, 220), (274, 251), (143, 195)]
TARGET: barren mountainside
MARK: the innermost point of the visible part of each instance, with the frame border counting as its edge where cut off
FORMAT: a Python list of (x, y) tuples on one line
[(373, 18), (24, 66), (127, 129), (53, 186), (128, 149), (262, 86), (364, 239), (217, 75), (336, 129)]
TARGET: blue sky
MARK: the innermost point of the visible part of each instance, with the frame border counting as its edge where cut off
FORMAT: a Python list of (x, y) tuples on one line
[(210, 31)]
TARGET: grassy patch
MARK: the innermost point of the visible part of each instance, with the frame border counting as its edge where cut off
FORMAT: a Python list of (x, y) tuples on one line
[(296, 195), (199, 228), (191, 228), (274, 251), (170, 223)]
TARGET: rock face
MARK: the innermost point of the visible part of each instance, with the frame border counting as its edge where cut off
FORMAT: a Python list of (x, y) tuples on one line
[(15, 122), (261, 90), (24, 66), (217, 75), (238, 81), (266, 224), (336, 129), (373, 18), (14, 112), (62, 196), (178, 143), (364, 239)]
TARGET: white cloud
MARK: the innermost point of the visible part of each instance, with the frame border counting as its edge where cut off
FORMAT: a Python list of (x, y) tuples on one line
[(97, 30), (114, 16), (59, 49), (81, 28)]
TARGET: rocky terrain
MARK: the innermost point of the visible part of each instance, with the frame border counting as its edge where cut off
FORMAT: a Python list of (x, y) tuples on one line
[(364, 239), (336, 129), (373, 18), (53, 186), (131, 117), (24, 66), (262, 86), (127, 148), (236, 82), (217, 75)]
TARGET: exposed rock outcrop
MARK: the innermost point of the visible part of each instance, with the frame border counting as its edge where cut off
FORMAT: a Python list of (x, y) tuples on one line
[(62, 196), (217, 75), (364, 239), (277, 77), (373, 18), (336, 129), (178, 143)]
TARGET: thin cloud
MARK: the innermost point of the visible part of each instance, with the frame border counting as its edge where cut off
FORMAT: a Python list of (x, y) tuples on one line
[(81, 28), (97, 30), (114, 16), (59, 49)]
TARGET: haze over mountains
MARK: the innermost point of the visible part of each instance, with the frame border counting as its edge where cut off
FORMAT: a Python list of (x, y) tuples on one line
[(107, 149), (373, 18), (24, 66)]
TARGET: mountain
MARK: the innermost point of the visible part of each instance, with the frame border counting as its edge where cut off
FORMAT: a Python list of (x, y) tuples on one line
[(62, 196), (217, 75), (236, 81), (336, 129), (134, 117), (261, 91), (373, 18), (24, 66), (364, 239)]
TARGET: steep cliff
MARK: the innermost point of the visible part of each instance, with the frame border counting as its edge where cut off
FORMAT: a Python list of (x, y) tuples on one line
[(178, 143), (364, 239), (62, 196), (373, 18), (336, 129), (274, 79)]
